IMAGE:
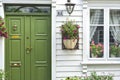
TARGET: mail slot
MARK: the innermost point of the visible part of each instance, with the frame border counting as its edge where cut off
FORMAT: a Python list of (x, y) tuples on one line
[(15, 64)]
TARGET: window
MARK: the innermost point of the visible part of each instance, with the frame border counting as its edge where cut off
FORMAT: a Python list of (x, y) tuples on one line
[(104, 33), (96, 33)]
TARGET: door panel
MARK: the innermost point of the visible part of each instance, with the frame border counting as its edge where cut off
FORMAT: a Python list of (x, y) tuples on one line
[(28, 48), (41, 48), (15, 48)]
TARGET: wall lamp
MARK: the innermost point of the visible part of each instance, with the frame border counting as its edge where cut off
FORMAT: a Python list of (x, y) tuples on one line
[(69, 7)]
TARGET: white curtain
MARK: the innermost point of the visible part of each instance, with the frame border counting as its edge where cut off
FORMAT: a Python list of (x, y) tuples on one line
[(95, 18), (115, 20)]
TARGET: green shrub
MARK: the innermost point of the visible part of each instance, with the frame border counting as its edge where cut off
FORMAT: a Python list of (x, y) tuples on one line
[(93, 76)]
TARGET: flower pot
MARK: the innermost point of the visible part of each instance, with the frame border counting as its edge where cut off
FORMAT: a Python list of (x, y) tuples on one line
[(113, 56), (94, 56), (70, 43)]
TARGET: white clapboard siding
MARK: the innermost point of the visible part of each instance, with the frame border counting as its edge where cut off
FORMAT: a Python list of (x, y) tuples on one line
[(69, 58), (68, 63), (58, 30), (68, 52), (61, 19), (59, 46), (69, 68), (59, 41), (58, 35), (66, 74), (58, 25), (63, 7), (75, 13), (65, 1)]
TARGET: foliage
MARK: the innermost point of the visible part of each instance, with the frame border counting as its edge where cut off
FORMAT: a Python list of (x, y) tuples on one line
[(93, 76), (2, 74), (115, 49), (96, 49), (3, 30), (70, 30)]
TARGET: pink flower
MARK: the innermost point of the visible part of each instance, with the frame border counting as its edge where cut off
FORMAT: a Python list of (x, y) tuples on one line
[(116, 44), (78, 26), (75, 31), (93, 43)]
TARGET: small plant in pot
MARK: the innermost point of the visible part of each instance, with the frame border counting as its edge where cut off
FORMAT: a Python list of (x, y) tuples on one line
[(96, 50), (70, 34), (114, 50)]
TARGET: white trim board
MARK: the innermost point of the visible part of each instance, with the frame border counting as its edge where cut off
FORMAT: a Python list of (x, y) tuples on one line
[(25, 2)]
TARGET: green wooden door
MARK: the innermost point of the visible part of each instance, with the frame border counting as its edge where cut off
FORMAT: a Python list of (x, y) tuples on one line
[(28, 48)]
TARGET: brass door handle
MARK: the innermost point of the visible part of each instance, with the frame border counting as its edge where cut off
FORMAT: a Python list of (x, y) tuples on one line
[(28, 49)]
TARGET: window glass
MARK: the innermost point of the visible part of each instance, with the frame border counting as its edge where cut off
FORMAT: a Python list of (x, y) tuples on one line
[(27, 9), (96, 33), (114, 34)]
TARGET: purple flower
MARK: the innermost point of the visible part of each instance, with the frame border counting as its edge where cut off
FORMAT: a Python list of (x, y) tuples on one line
[(65, 38), (3, 29), (0, 32)]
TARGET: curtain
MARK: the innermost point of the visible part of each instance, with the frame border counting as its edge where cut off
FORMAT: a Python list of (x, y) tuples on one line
[(115, 19), (94, 19)]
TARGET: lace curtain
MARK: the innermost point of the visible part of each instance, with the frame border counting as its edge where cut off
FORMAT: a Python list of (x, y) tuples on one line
[(115, 20), (95, 19)]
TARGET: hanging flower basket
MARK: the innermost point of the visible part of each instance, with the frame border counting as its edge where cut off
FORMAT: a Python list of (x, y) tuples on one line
[(70, 35)]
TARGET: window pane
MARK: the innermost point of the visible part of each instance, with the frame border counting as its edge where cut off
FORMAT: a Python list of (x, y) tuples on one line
[(27, 9), (114, 41), (96, 16), (96, 33), (114, 33), (114, 17), (96, 41)]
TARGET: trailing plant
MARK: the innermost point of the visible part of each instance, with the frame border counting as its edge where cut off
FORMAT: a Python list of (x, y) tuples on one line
[(3, 30)]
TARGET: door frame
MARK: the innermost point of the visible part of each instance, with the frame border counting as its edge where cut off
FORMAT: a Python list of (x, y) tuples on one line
[(53, 34)]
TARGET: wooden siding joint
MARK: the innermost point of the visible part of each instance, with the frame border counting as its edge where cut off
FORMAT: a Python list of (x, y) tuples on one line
[(84, 70), (85, 3)]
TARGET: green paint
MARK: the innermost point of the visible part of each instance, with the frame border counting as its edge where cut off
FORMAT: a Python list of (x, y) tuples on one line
[(28, 48)]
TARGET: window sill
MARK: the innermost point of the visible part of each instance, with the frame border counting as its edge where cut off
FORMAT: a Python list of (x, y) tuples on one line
[(100, 62)]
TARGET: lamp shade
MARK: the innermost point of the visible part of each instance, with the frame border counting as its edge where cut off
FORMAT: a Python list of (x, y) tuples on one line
[(69, 7)]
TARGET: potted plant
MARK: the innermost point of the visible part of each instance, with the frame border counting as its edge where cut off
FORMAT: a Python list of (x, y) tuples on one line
[(114, 50), (70, 34), (96, 50)]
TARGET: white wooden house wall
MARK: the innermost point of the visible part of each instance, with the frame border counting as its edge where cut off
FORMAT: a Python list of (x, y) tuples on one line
[(69, 62)]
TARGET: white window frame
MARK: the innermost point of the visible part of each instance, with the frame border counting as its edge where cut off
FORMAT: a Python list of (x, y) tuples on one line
[(86, 36)]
